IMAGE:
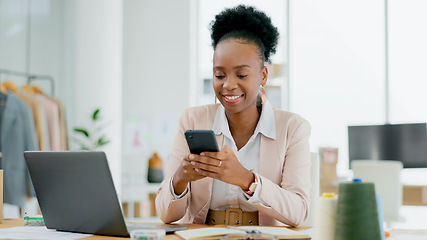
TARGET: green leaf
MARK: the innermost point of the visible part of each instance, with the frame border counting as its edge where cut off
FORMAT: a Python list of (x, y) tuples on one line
[(102, 142), (96, 114), (81, 130)]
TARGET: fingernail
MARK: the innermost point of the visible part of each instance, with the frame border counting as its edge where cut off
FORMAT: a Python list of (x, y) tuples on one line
[(191, 157), (197, 170), (193, 163), (202, 154)]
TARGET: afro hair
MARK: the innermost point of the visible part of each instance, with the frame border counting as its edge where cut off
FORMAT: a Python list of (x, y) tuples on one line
[(246, 22)]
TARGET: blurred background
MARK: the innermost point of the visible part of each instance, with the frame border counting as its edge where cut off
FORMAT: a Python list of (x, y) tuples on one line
[(141, 63)]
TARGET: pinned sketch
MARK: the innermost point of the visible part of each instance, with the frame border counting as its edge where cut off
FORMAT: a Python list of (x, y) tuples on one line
[(164, 127), (135, 138)]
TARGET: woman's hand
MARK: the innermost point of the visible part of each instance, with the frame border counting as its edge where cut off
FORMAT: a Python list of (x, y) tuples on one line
[(185, 174), (223, 166)]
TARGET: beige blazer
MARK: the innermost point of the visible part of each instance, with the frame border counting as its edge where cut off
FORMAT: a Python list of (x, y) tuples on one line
[(284, 169)]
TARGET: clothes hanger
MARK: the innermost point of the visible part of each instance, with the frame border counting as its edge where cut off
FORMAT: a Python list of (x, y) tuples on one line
[(8, 85), (29, 88), (32, 89)]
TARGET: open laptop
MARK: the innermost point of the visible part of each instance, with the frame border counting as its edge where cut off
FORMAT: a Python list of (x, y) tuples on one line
[(76, 193)]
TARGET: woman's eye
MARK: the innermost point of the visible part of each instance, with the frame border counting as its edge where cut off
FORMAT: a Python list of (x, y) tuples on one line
[(220, 76), (242, 76)]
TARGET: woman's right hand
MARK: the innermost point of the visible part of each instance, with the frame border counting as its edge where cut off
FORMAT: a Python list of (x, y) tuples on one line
[(184, 174)]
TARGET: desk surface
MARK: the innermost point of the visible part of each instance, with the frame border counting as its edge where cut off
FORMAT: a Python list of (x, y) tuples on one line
[(8, 223)]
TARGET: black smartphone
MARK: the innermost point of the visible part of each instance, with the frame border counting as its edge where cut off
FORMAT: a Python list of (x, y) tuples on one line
[(201, 141)]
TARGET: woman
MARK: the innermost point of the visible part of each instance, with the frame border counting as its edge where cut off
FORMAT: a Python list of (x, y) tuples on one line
[(262, 173)]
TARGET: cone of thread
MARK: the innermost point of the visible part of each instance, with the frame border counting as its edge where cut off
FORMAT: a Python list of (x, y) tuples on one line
[(357, 215), (324, 219)]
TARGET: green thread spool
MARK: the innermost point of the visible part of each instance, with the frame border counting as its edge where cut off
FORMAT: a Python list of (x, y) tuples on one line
[(357, 215)]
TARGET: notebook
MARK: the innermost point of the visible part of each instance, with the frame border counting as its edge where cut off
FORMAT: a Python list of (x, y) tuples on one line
[(258, 232), (76, 193)]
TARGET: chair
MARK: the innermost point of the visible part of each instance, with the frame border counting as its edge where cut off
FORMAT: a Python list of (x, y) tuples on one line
[(386, 177), (314, 191)]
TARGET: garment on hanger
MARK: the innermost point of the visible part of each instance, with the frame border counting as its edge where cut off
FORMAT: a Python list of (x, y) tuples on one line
[(52, 117), (17, 135), (62, 123), (37, 113), (42, 128)]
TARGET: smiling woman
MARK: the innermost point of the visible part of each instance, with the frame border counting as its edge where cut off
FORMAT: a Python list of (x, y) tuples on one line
[(262, 173)]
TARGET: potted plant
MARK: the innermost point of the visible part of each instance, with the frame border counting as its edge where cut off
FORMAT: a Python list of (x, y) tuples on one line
[(91, 139)]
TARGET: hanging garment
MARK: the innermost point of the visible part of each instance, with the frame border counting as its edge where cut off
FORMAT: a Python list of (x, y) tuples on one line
[(17, 135), (52, 117), (62, 123), (37, 116), (34, 105), (42, 126)]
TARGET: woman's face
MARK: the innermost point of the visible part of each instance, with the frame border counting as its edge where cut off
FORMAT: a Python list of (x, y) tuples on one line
[(237, 75)]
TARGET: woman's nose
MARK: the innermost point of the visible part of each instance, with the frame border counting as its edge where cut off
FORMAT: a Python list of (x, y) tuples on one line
[(230, 83)]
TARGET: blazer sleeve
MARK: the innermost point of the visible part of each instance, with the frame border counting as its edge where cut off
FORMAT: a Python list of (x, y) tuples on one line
[(168, 208), (288, 202)]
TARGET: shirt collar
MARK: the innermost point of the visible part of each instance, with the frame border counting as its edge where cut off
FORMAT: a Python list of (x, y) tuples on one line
[(266, 124)]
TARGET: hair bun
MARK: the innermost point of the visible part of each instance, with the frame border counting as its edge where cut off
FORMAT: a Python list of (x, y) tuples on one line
[(248, 19)]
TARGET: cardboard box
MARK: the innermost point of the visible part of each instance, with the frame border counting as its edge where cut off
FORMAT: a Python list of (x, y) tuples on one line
[(414, 195), (1, 195)]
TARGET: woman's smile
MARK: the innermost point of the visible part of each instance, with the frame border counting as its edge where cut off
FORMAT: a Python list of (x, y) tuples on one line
[(231, 98)]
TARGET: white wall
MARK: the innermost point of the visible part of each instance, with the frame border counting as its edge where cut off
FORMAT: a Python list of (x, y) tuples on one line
[(337, 68), (97, 68), (43, 34), (156, 81)]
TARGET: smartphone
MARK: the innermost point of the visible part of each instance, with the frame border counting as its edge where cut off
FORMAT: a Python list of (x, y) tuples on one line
[(201, 141)]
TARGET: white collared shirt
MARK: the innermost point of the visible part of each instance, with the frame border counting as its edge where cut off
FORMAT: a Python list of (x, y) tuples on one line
[(226, 195)]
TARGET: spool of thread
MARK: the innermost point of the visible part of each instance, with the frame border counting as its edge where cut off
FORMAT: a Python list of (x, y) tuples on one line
[(357, 215), (324, 219)]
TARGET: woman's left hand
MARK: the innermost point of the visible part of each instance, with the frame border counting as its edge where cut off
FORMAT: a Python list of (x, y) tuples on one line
[(223, 166)]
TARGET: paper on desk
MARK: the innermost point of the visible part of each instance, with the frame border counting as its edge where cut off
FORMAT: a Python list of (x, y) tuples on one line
[(39, 233)]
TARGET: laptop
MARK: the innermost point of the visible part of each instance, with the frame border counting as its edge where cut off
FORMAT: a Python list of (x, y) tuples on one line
[(76, 193)]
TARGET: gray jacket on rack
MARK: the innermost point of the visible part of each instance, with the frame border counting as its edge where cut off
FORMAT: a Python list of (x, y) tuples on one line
[(17, 135)]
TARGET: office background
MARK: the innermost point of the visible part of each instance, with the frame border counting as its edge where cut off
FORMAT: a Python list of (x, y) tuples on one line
[(143, 62)]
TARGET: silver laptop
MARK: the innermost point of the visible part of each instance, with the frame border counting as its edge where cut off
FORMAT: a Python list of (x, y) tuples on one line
[(76, 193)]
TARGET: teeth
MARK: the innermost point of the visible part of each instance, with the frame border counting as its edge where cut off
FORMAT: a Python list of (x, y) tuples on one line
[(232, 97)]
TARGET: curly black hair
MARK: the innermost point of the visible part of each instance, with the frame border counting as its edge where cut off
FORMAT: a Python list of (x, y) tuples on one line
[(248, 23)]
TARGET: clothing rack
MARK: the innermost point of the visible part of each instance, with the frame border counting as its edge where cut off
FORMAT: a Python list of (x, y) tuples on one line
[(31, 77)]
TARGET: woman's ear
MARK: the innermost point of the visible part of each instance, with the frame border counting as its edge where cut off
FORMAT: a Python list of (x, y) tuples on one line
[(264, 75)]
